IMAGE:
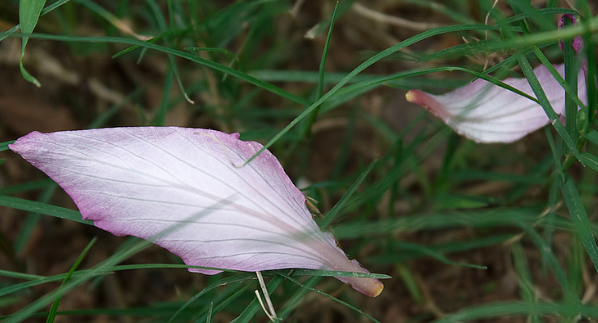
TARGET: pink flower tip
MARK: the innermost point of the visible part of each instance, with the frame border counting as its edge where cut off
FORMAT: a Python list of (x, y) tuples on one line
[(577, 41)]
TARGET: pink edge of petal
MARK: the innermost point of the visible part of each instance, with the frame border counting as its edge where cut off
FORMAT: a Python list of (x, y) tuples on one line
[(429, 103), (371, 287)]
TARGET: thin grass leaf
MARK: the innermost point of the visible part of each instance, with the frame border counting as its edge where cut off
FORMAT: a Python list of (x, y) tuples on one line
[(221, 282), (552, 263), (194, 58), (338, 206), (42, 208), (4, 145), (411, 247), (514, 308), (592, 69), (28, 186), (571, 71), (99, 269), (222, 304), (31, 221), (69, 274), (29, 13), (160, 117), (580, 219), (589, 160), (286, 276), (12, 274), (570, 91), (333, 273), (363, 66), (526, 285), (543, 101), (321, 72), (592, 136), (295, 300)]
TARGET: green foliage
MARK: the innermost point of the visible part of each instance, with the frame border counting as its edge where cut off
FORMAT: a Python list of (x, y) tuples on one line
[(408, 200)]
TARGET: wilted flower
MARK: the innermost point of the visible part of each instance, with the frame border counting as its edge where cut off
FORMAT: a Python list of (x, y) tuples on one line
[(488, 113), (155, 183), (577, 41)]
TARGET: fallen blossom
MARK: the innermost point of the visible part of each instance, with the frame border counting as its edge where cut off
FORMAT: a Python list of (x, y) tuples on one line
[(189, 191), (488, 113)]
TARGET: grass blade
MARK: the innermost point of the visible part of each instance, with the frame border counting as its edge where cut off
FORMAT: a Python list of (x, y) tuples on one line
[(29, 12), (580, 219)]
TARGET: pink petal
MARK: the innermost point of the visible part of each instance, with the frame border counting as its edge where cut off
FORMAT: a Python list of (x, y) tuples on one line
[(577, 41), (488, 113), (144, 181)]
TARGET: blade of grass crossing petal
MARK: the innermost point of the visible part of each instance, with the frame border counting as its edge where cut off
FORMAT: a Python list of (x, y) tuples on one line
[(29, 12), (320, 86), (370, 61), (330, 216), (580, 219), (56, 302), (334, 273), (543, 101), (566, 85)]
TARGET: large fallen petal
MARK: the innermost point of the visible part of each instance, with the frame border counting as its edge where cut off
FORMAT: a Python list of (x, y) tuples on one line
[(488, 113), (154, 182)]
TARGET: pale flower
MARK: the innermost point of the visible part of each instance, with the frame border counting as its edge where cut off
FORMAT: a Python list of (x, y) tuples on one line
[(488, 113), (157, 183)]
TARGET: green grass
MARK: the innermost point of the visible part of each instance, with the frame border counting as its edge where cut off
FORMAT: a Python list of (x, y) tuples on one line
[(461, 231)]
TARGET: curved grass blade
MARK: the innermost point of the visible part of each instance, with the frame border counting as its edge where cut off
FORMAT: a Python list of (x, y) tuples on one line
[(363, 66), (29, 12), (54, 308)]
